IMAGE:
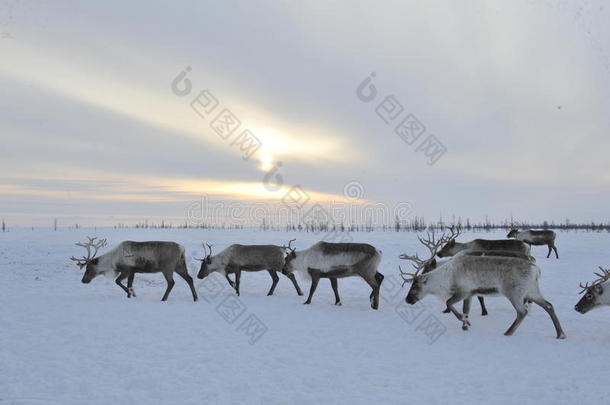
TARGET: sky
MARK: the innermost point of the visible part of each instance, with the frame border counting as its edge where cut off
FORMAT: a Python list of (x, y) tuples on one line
[(111, 112)]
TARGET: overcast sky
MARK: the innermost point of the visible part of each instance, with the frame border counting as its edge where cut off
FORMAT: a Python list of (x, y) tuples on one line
[(517, 93)]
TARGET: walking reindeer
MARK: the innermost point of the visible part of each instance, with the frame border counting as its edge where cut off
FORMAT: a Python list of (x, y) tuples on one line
[(453, 247), (337, 260), (478, 274), (594, 294), (536, 238), (129, 258), (237, 258), (501, 247)]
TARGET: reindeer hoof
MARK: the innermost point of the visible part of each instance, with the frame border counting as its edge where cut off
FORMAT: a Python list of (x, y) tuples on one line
[(338, 303), (307, 303), (561, 336), (484, 313)]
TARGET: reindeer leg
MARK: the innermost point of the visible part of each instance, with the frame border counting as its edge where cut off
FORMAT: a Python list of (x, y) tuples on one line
[(294, 282), (556, 254), (231, 283), (334, 285), (466, 307), (315, 278), (483, 309), (275, 279), (550, 249), (237, 279), (374, 297), (456, 298), (189, 280), (120, 278), (548, 307), (130, 291), (169, 277), (521, 308)]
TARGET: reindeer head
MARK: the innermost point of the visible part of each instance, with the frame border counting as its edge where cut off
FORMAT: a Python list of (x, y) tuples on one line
[(451, 247), (91, 262), (418, 281), (592, 292), (291, 254), (205, 271), (513, 233)]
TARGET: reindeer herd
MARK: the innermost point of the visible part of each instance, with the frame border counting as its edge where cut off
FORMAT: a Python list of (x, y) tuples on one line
[(477, 268)]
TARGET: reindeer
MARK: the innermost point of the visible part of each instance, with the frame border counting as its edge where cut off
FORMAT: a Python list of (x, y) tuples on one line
[(337, 260), (502, 247), (129, 258), (453, 247), (595, 296), (479, 274), (238, 258), (433, 264), (536, 238)]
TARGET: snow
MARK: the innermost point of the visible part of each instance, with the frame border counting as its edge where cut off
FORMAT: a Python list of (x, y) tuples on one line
[(63, 342)]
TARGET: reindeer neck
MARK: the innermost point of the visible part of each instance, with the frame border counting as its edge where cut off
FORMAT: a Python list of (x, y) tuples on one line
[(441, 278), (604, 299)]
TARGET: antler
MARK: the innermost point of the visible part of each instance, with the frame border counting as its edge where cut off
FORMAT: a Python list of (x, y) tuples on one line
[(91, 243), (409, 276), (289, 247), (584, 287), (418, 263), (205, 252), (603, 277), (454, 234)]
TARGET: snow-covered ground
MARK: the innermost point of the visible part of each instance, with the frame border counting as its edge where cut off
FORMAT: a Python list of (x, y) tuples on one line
[(63, 342)]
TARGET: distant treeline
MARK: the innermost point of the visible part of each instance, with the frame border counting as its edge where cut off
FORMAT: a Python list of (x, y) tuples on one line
[(416, 224)]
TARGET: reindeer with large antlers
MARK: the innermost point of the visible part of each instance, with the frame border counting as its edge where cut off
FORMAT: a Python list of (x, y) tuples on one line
[(594, 293), (470, 274), (488, 247), (430, 264), (452, 246), (237, 258), (129, 258)]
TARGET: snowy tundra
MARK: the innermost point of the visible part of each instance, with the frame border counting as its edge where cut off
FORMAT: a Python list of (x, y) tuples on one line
[(64, 342)]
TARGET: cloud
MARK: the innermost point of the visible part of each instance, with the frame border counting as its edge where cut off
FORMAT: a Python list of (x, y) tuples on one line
[(516, 91)]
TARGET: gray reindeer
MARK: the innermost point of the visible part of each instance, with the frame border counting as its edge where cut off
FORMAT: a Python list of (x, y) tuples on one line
[(237, 258), (129, 258), (536, 238)]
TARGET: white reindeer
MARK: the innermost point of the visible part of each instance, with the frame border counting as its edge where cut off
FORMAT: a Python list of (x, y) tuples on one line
[(337, 260), (594, 294), (471, 274)]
